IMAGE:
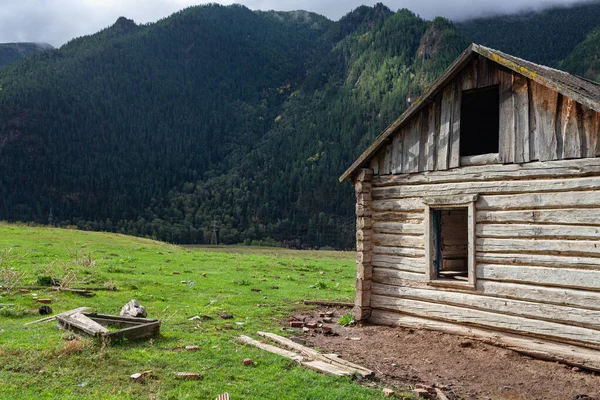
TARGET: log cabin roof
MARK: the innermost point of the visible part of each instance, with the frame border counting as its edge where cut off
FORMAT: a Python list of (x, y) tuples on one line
[(579, 89)]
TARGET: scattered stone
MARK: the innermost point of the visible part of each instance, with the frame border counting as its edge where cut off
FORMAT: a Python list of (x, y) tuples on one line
[(176, 273), (296, 324), (305, 329), (256, 290), (24, 290), (275, 287), (133, 309), (465, 344), (576, 369), (138, 376), (183, 282), (356, 338), (45, 310), (327, 329), (195, 318), (226, 316), (192, 348), (156, 283), (204, 275), (327, 320), (193, 376), (311, 325), (247, 361), (387, 392), (46, 301)]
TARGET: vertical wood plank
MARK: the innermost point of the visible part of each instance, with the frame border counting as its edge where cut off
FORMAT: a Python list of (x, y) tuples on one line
[(407, 143), (569, 129), (445, 127), (424, 139), (507, 118), (454, 156), (432, 133), (487, 72), (533, 140), (544, 103), (590, 137), (469, 76), (415, 150), (396, 164), (387, 159), (521, 100)]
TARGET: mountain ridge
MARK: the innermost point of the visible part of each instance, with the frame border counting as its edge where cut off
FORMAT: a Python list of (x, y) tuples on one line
[(215, 116)]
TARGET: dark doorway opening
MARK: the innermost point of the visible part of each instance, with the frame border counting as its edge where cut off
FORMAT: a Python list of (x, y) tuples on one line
[(480, 121)]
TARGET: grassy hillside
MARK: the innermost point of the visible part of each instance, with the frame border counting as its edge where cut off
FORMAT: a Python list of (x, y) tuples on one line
[(42, 361)]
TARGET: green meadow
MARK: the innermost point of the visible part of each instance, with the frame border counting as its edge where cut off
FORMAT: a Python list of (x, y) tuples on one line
[(43, 361)]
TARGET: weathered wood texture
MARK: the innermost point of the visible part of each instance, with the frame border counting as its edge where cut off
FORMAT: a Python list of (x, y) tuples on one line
[(364, 244), (536, 123), (537, 256)]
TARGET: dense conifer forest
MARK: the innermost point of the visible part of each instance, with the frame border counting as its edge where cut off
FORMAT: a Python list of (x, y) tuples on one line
[(222, 119)]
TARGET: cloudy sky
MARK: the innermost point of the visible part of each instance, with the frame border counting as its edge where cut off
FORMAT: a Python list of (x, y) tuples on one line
[(57, 21)]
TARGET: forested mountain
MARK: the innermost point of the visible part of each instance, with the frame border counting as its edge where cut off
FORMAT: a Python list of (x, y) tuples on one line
[(11, 52), (213, 119), (544, 37)]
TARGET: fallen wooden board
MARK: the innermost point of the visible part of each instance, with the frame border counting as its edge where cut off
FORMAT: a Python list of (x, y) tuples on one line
[(326, 367), (315, 355), (80, 322), (53, 317), (273, 349)]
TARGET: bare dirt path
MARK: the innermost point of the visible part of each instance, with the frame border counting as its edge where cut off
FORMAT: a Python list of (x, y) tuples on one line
[(468, 368)]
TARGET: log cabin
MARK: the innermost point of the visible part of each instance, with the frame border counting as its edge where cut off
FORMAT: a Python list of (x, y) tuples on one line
[(478, 210)]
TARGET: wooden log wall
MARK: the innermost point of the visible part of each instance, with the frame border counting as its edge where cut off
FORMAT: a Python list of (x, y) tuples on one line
[(364, 235), (537, 249), (536, 123)]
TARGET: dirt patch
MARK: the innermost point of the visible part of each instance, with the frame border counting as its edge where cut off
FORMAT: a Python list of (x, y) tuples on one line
[(467, 368)]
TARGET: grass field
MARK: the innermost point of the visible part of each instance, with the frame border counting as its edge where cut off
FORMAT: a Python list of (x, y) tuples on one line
[(42, 361)]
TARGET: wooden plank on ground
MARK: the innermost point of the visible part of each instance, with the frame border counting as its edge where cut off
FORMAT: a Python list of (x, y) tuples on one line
[(53, 317)]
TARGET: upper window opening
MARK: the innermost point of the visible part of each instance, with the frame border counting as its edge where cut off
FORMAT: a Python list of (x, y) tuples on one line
[(480, 121)]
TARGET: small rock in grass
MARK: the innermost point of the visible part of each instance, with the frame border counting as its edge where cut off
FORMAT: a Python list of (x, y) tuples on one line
[(256, 290), (138, 376), (44, 301), (192, 348), (275, 287), (176, 273), (296, 324), (247, 361), (226, 316), (24, 290), (133, 309), (387, 392), (204, 275), (183, 282)]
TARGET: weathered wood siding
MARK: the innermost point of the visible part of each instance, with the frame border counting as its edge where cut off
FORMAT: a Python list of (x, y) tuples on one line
[(537, 246), (536, 123)]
